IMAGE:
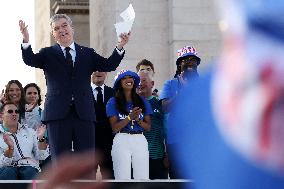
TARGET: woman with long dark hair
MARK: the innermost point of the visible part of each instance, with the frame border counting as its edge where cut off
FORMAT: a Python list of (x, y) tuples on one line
[(34, 112), (33, 101), (14, 92), (129, 116)]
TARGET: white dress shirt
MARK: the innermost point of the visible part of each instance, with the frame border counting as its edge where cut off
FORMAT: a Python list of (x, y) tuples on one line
[(73, 51), (95, 92)]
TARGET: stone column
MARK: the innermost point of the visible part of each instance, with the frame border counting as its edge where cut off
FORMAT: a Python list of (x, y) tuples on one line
[(149, 38), (194, 22), (42, 36)]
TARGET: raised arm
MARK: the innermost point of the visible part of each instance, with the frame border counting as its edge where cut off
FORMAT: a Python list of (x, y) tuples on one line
[(110, 64), (40, 149), (24, 31), (124, 38), (29, 58)]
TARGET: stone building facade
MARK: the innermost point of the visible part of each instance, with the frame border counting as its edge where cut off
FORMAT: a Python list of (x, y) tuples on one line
[(161, 27)]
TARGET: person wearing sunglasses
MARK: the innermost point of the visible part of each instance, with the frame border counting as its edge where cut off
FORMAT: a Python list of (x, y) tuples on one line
[(21, 147), (187, 64)]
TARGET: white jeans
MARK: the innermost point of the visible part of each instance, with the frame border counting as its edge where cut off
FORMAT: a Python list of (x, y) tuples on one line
[(129, 148)]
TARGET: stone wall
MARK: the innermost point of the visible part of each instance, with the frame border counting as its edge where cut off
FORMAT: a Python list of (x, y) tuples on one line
[(161, 27)]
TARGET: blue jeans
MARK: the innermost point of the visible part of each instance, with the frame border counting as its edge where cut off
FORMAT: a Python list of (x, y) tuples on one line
[(18, 173)]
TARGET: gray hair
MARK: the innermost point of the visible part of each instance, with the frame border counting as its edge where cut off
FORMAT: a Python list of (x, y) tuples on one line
[(56, 17)]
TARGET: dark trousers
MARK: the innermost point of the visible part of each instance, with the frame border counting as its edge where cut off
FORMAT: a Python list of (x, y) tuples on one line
[(18, 173), (157, 169), (174, 172), (63, 132), (103, 145)]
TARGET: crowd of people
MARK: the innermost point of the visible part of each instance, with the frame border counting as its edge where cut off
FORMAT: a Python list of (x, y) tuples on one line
[(223, 129), (125, 123), (130, 132)]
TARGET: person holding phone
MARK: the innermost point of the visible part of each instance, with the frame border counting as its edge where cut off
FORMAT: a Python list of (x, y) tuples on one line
[(187, 64), (21, 147)]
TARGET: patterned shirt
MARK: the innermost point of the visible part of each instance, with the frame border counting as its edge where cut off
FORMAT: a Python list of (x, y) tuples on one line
[(156, 136)]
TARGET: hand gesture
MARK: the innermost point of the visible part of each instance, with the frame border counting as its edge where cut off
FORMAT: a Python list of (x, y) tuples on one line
[(182, 80), (124, 37), (40, 131), (3, 97), (8, 141), (135, 112), (30, 107), (24, 31)]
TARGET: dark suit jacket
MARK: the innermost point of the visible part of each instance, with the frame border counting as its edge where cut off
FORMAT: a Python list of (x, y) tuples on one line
[(63, 82), (101, 117)]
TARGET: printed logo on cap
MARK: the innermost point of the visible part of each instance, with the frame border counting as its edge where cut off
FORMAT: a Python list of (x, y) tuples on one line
[(186, 50)]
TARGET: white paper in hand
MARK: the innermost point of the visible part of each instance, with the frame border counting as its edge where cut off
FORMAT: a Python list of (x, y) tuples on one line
[(128, 16)]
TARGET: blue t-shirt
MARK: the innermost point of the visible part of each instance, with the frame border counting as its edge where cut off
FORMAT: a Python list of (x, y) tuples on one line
[(170, 89), (132, 125)]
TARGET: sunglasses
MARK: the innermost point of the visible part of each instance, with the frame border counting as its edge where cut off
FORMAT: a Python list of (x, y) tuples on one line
[(12, 111), (192, 61)]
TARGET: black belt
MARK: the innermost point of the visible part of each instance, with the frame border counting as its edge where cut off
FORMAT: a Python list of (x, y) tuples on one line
[(131, 132)]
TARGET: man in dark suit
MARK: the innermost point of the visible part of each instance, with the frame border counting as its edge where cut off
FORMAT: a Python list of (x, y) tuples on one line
[(103, 131), (69, 105)]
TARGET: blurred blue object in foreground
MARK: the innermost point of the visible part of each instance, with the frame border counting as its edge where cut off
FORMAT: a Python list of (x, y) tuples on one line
[(202, 152), (229, 122)]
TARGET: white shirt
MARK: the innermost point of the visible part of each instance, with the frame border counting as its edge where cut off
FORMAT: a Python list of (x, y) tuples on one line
[(26, 140), (72, 51), (95, 92)]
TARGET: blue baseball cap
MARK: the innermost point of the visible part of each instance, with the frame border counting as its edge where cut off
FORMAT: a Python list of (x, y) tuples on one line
[(124, 73)]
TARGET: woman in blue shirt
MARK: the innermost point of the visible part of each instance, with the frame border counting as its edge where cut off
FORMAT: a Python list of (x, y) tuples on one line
[(129, 116)]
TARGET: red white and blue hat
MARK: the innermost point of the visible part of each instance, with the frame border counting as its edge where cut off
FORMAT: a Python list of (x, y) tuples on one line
[(185, 52), (124, 73)]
